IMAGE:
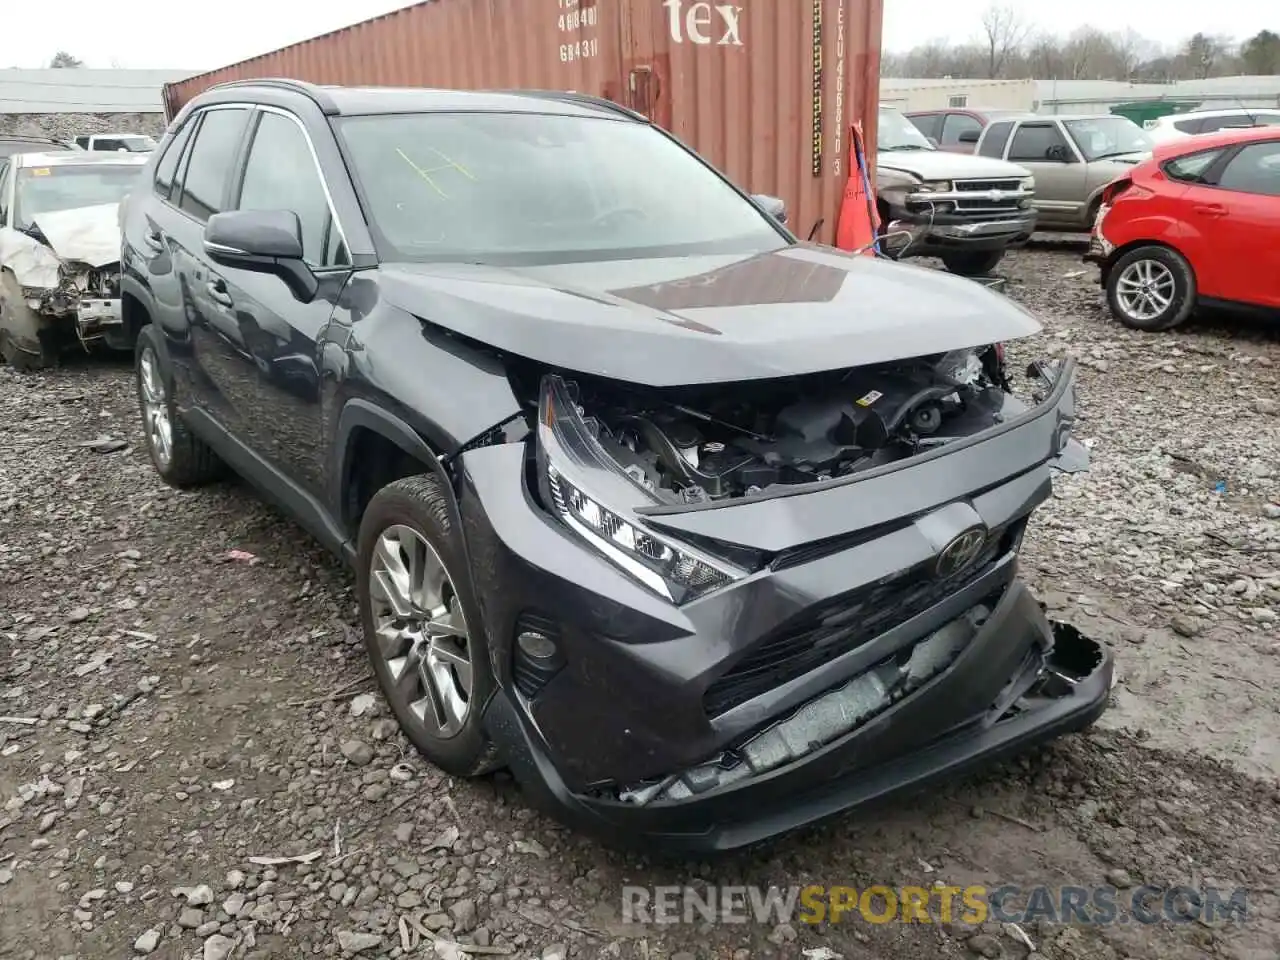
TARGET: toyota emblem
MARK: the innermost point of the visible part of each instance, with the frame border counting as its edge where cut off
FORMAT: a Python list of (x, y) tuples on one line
[(960, 552)]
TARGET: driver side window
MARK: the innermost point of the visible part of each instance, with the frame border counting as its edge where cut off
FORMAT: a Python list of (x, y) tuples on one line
[(281, 175), (1034, 142)]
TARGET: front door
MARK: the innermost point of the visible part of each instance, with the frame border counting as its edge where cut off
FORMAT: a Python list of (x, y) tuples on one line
[(274, 375), (1060, 172), (1245, 208)]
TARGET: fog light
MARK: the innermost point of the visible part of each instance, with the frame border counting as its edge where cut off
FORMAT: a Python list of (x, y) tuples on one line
[(537, 656), (536, 645)]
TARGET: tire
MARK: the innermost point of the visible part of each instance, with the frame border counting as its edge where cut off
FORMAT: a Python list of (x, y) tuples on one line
[(416, 507), (25, 362), (972, 263), (189, 461), (1157, 263)]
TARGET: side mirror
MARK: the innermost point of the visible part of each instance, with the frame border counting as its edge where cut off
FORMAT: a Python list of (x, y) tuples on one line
[(970, 136), (1058, 154), (263, 241), (772, 206), (933, 142)]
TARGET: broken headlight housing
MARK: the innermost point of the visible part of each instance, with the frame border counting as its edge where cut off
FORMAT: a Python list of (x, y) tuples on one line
[(591, 495)]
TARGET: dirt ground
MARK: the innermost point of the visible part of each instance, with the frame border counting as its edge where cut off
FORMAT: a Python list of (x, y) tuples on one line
[(194, 711)]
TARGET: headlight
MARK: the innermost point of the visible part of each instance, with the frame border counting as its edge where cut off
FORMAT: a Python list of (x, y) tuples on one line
[(934, 186), (1028, 183), (589, 492)]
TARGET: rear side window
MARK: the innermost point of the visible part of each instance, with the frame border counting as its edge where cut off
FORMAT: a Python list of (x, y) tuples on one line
[(997, 136), (212, 155), (1228, 122), (167, 168), (107, 143), (1192, 167), (1255, 169), (929, 124), (956, 126), (1191, 126)]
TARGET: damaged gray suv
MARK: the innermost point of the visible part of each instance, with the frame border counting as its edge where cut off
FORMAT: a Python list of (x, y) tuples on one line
[(60, 252), (704, 532)]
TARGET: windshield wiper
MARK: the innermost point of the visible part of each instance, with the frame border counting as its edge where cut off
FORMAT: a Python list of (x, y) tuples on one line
[(1118, 153), (905, 146)]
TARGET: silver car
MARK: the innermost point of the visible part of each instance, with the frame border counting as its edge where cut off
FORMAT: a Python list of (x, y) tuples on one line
[(1072, 158)]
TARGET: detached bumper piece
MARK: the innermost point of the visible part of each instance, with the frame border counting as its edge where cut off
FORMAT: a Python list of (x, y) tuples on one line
[(906, 723), (96, 317)]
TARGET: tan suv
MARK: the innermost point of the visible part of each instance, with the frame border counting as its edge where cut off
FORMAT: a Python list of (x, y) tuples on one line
[(1072, 158)]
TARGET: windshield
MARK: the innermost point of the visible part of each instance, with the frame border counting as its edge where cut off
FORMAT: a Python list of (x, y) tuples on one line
[(49, 189), (1108, 137), (530, 188), (138, 144), (896, 132)]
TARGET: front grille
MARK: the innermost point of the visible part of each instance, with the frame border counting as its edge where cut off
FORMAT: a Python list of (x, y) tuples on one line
[(825, 633), (963, 186), (980, 204)]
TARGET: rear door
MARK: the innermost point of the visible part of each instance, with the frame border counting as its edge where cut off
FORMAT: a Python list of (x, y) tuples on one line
[(208, 316), (1246, 209), (1060, 172)]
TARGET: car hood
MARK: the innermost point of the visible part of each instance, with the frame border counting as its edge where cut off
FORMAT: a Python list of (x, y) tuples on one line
[(86, 234), (709, 319), (942, 165)]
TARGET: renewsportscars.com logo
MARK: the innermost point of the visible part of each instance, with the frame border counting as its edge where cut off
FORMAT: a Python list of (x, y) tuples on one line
[(972, 905)]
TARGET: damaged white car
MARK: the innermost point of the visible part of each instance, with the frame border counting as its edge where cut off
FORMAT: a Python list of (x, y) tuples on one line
[(60, 252)]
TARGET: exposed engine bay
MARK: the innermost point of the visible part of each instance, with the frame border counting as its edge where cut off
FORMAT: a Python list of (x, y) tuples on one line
[(753, 438)]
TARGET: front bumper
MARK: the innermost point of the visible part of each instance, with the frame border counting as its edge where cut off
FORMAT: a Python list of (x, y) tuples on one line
[(648, 692), (951, 232), (96, 318), (906, 748)]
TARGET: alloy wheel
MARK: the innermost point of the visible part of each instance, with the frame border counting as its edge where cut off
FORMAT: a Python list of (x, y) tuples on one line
[(155, 407), (420, 632), (1145, 290)]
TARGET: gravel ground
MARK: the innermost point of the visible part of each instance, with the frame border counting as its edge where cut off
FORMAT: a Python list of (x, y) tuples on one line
[(195, 712)]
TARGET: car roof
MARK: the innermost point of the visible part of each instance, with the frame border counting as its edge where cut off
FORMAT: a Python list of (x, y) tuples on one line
[(1004, 113), (77, 158), (365, 101), (1210, 141), (1217, 112)]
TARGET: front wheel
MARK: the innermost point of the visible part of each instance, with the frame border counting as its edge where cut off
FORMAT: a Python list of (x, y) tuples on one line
[(972, 263), (1151, 288), (422, 627)]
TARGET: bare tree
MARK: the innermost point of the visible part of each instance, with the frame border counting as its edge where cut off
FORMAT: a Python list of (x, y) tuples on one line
[(1004, 33), (64, 60)]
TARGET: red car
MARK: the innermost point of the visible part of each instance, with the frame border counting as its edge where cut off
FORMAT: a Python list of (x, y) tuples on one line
[(1198, 223)]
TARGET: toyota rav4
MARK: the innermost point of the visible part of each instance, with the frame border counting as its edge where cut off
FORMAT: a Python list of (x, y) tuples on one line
[(704, 532)]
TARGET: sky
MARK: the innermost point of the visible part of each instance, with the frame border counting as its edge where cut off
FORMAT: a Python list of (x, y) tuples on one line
[(135, 33), (1165, 22)]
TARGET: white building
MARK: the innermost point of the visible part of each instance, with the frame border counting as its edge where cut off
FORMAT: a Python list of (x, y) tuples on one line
[(941, 94)]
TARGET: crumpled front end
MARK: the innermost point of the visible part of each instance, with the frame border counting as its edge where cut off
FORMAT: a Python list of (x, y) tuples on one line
[(793, 624), (61, 281)]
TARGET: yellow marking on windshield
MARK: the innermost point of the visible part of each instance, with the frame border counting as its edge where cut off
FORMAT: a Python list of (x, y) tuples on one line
[(426, 174), (39, 171)]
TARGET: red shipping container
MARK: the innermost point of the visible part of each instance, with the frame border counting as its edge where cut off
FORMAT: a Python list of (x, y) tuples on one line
[(764, 89)]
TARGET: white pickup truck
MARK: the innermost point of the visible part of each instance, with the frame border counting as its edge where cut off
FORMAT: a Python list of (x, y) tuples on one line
[(127, 142)]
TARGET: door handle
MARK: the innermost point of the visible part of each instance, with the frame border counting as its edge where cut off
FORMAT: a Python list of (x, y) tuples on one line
[(218, 292), (1210, 209)]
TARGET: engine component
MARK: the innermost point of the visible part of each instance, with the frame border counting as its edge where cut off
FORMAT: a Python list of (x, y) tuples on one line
[(759, 436)]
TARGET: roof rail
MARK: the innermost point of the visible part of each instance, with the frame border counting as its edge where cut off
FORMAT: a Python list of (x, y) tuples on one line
[(318, 95), (584, 98)]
